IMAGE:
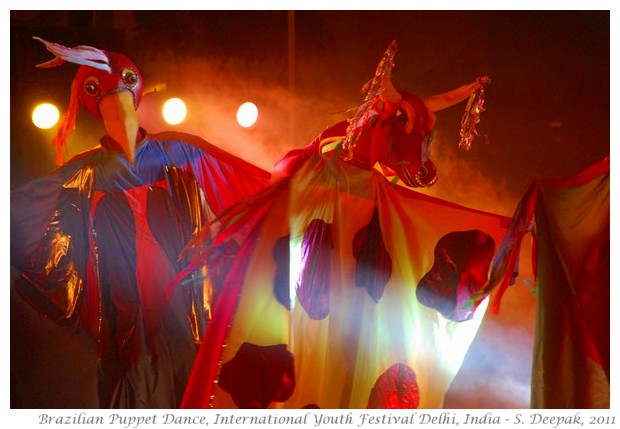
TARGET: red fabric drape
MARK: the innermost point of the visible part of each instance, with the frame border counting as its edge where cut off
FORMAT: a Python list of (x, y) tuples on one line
[(570, 220)]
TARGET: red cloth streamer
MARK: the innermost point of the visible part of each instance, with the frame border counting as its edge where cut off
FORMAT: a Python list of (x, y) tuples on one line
[(67, 123)]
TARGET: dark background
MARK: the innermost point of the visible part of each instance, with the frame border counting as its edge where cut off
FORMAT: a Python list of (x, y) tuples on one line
[(547, 109)]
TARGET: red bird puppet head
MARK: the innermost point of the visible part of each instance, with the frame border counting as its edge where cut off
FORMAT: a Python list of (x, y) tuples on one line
[(109, 85)]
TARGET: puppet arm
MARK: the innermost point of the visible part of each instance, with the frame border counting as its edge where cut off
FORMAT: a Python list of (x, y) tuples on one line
[(447, 99)]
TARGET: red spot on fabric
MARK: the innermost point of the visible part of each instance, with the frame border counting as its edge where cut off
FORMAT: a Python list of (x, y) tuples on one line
[(454, 285), (259, 375), (395, 388), (313, 284), (374, 265)]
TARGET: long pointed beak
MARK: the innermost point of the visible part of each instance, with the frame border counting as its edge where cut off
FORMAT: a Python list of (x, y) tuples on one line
[(121, 120)]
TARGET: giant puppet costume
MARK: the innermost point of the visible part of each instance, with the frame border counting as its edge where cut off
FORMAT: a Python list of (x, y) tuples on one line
[(347, 289), (96, 242), (569, 222)]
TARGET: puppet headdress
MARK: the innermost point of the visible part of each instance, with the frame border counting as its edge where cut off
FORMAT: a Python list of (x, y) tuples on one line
[(82, 55), (380, 86)]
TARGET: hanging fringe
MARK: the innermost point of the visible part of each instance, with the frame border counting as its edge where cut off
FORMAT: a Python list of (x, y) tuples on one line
[(372, 89), (471, 118), (66, 124)]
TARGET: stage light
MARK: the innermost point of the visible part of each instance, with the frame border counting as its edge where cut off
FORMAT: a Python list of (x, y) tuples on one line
[(174, 111), (45, 116), (247, 114)]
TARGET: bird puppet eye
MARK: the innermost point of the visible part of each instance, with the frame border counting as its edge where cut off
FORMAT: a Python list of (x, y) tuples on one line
[(130, 78), (91, 86), (402, 117)]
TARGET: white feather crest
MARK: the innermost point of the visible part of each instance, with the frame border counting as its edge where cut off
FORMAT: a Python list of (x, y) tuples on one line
[(83, 55)]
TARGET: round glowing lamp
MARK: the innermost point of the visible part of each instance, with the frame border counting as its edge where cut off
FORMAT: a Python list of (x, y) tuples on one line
[(45, 116), (174, 111), (247, 114)]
